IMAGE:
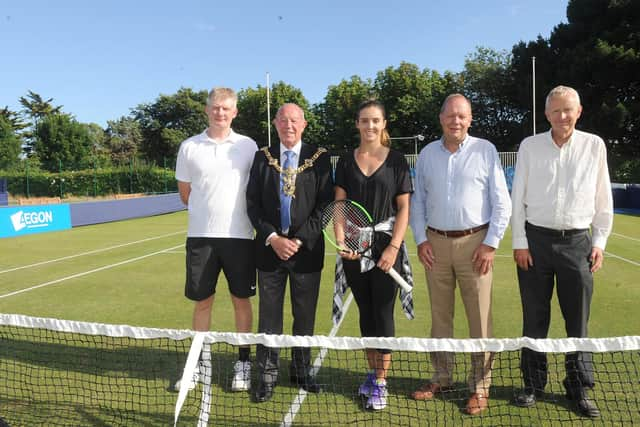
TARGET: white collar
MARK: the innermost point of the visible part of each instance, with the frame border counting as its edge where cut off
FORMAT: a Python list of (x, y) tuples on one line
[(296, 149), (230, 138)]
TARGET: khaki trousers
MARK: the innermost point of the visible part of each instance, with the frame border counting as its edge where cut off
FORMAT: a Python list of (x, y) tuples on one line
[(453, 264)]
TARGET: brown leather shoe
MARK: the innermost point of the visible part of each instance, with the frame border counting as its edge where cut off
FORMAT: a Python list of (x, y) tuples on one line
[(427, 391), (477, 403)]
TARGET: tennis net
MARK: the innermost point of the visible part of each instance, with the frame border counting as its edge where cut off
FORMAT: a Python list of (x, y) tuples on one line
[(58, 373)]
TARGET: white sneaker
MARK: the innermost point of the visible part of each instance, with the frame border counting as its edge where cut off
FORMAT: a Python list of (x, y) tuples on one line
[(378, 398), (194, 380), (241, 376)]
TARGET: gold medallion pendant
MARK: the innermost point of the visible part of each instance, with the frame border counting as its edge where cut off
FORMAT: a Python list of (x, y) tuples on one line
[(289, 174)]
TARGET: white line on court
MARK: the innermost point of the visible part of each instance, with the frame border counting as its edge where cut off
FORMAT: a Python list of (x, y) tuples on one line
[(89, 252), (637, 264), (625, 237), (302, 394), (84, 273)]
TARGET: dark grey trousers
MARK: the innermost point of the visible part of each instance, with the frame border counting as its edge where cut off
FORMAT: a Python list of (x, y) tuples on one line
[(304, 289), (563, 259)]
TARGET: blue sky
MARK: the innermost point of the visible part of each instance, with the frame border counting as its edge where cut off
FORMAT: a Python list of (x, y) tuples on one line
[(99, 59)]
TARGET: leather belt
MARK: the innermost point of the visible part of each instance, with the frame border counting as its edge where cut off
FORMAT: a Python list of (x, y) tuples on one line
[(554, 232), (459, 233)]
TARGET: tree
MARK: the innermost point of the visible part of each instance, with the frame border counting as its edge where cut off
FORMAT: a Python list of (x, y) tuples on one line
[(412, 99), (97, 138), (14, 119), (489, 85), (338, 112), (36, 108), (521, 68), (252, 113), (10, 144), (169, 120), (62, 141), (598, 53), (123, 139)]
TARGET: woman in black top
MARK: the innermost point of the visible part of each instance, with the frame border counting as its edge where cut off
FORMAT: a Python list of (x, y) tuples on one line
[(378, 178)]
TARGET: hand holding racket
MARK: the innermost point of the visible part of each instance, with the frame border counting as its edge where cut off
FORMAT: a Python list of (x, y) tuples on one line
[(349, 227)]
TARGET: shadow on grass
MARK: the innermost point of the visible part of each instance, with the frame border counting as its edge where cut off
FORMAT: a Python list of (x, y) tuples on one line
[(100, 381)]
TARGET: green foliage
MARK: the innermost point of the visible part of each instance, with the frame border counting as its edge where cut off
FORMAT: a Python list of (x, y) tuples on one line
[(169, 120), (627, 171), (37, 109), (252, 113), (91, 182), (412, 98), (489, 85), (14, 119), (338, 111), (598, 53), (123, 139), (61, 140), (10, 145)]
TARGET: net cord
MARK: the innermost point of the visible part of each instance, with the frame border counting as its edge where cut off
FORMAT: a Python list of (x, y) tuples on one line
[(469, 345)]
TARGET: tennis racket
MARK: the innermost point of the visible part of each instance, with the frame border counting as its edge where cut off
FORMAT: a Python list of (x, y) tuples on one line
[(349, 227)]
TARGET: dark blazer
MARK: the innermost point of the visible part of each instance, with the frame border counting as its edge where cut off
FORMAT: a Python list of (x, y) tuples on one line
[(314, 190)]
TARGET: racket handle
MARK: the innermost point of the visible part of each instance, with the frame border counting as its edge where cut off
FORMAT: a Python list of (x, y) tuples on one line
[(399, 280)]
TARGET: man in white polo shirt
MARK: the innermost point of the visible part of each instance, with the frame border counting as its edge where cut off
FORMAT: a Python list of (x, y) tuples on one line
[(212, 172)]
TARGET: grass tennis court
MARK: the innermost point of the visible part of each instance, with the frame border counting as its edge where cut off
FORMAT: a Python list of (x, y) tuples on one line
[(132, 272)]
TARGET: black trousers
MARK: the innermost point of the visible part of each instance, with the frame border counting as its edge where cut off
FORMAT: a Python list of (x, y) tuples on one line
[(304, 300), (375, 293), (564, 258)]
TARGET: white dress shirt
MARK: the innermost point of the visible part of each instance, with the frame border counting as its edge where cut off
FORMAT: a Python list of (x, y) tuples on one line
[(562, 188), (460, 190)]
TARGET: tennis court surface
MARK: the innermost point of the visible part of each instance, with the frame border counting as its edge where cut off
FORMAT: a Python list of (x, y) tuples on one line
[(86, 369)]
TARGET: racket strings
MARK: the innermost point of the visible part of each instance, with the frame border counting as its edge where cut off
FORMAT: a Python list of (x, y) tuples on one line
[(348, 226)]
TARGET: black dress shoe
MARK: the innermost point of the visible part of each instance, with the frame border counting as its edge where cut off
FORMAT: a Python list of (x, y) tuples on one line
[(264, 392), (587, 407), (526, 398), (307, 383)]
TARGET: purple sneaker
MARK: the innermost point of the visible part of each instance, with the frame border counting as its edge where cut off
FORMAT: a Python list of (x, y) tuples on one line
[(367, 386), (378, 398)]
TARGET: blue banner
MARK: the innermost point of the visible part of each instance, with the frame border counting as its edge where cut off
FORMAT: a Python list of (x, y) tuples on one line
[(17, 221)]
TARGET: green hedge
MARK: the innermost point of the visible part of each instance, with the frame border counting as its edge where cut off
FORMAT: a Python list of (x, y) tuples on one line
[(90, 182)]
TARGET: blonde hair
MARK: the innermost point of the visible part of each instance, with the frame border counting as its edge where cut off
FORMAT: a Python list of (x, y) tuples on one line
[(560, 91), (222, 93), (385, 139)]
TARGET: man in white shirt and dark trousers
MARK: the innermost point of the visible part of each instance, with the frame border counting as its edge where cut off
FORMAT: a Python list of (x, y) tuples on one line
[(212, 170), (460, 210), (561, 191)]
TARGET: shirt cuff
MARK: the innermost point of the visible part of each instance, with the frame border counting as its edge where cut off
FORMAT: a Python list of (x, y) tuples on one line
[(599, 241), (520, 243), (420, 236), (491, 240), (267, 242)]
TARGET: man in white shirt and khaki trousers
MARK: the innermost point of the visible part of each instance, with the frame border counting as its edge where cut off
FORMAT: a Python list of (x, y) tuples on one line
[(561, 191)]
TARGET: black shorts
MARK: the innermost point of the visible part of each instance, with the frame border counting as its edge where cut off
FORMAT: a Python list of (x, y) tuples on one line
[(206, 256)]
